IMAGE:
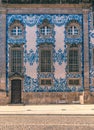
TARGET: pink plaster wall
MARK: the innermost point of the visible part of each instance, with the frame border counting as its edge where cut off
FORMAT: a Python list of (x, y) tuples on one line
[(31, 44)]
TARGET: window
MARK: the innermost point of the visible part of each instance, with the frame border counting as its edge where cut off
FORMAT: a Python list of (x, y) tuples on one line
[(45, 65), (73, 30), (16, 31), (73, 58), (74, 82), (16, 59), (45, 62), (46, 82), (45, 30)]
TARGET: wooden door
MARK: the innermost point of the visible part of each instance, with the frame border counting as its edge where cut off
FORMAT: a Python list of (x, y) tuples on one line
[(16, 91)]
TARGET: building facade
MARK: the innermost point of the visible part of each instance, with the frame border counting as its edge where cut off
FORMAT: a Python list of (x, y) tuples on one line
[(47, 52)]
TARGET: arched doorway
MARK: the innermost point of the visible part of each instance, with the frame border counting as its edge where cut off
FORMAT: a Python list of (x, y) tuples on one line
[(16, 91)]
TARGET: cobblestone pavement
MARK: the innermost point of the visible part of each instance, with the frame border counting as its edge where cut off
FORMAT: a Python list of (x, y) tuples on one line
[(46, 122)]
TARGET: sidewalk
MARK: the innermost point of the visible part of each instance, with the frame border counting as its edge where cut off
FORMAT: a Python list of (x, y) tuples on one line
[(48, 109)]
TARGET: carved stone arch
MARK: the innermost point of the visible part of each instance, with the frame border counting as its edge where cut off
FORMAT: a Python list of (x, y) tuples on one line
[(16, 23), (72, 21), (76, 24), (44, 22), (48, 25)]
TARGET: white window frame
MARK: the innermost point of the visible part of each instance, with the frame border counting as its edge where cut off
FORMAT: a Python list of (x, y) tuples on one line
[(16, 31), (45, 30), (73, 30)]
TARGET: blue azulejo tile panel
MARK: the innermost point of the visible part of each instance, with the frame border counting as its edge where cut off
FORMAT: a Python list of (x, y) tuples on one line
[(73, 75), (92, 88), (91, 48), (31, 57), (31, 50), (60, 56), (57, 20), (59, 85), (33, 19)]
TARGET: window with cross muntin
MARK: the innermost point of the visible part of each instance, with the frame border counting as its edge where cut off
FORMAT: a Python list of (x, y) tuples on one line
[(16, 31), (45, 30), (73, 30)]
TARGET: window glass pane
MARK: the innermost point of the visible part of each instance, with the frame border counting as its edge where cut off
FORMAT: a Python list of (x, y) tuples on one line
[(70, 31), (46, 82), (16, 60), (45, 30), (73, 60), (70, 82), (19, 31), (42, 82), (16, 31), (45, 61), (74, 82), (13, 31), (73, 30)]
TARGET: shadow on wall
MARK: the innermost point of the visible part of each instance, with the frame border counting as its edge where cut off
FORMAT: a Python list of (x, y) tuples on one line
[(46, 1)]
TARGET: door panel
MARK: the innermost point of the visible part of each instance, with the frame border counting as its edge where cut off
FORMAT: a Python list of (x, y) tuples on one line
[(16, 91)]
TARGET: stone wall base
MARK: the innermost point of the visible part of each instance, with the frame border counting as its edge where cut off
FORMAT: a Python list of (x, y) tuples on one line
[(88, 97), (51, 97), (4, 99)]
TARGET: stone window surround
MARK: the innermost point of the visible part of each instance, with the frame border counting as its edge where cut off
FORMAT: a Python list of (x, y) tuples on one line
[(13, 76), (16, 31), (79, 52), (45, 30), (46, 79), (16, 23), (15, 47), (45, 60), (45, 47), (71, 24), (44, 24), (74, 79), (72, 29)]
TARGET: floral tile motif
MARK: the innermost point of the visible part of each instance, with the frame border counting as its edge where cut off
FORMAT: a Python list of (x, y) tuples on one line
[(31, 56), (60, 56)]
